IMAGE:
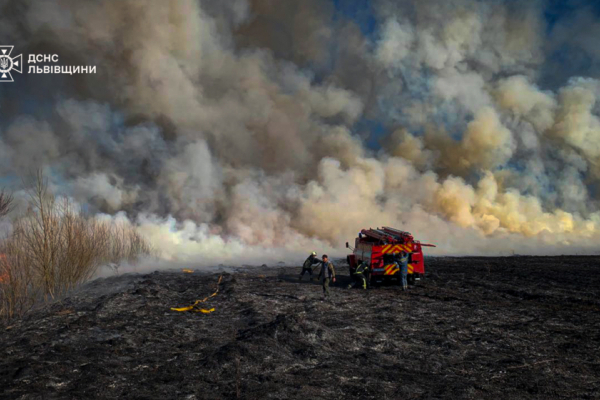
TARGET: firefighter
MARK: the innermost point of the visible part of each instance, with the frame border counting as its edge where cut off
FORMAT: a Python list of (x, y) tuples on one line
[(359, 275), (327, 274), (308, 265), (402, 262)]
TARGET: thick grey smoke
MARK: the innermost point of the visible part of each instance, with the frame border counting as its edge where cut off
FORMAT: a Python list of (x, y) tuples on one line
[(237, 131)]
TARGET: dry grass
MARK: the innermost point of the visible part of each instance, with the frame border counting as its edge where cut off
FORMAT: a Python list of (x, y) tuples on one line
[(53, 248)]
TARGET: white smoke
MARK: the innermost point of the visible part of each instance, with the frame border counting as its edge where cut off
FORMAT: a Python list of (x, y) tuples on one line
[(233, 131)]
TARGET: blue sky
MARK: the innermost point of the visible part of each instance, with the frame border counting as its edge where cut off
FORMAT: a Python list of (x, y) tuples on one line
[(360, 11)]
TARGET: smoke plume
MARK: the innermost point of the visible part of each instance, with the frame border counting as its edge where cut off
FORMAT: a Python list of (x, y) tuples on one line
[(249, 131)]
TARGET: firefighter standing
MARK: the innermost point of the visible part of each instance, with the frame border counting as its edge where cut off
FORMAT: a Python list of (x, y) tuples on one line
[(327, 274), (308, 265), (402, 261), (359, 275)]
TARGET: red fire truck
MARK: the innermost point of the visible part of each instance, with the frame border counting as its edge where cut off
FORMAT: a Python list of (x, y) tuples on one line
[(379, 246)]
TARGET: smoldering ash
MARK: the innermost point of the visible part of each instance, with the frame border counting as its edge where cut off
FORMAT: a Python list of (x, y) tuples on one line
[(243, 131)]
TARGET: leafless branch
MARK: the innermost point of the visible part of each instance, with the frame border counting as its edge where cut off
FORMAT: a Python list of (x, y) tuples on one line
[(6, 200), (53, 248)]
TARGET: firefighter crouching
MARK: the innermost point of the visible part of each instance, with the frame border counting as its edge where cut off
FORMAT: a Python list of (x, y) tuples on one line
[(360, 275), (327, 274), (308, 265)]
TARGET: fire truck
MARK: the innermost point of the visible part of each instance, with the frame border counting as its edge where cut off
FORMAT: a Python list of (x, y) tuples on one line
[(379, 246)]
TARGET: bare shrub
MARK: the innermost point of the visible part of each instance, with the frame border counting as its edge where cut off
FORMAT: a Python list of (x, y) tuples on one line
[(126, 244), (17, 291), (5, 203), (54, 247)]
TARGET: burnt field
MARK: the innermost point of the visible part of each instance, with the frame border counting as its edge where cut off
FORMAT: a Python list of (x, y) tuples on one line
[(502, 328)]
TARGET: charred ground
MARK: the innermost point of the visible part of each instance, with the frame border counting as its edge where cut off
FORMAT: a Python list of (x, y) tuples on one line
[(518, 327)]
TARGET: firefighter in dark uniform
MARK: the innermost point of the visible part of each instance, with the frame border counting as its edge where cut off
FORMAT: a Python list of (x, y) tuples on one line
[(327, 274), (308, 265), (360, 275)]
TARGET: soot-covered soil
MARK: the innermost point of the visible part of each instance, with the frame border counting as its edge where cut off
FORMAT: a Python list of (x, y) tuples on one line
[(476, 328)]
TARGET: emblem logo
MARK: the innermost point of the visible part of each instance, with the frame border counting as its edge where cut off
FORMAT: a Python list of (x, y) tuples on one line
[(8, 63)]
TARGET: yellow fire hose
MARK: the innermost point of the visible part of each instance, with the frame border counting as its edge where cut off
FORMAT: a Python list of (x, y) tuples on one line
[(201, 310)]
